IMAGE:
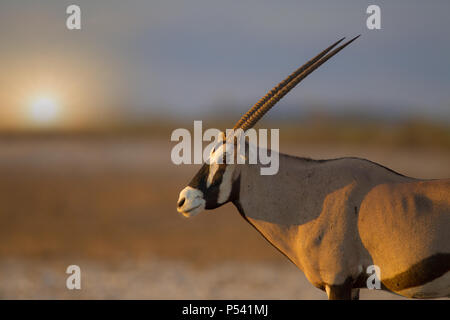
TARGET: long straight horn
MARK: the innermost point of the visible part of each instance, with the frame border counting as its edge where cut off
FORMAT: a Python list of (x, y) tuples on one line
[(283, 83), (257, 114)]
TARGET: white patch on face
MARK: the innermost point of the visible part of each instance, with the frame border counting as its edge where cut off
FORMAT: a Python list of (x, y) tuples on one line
[(226, 184), (193, 203), (212, 171), (214, 163), (219, 156)]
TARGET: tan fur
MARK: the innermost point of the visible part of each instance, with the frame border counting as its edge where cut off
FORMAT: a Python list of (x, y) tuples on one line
[(414, 216), (335, 218)]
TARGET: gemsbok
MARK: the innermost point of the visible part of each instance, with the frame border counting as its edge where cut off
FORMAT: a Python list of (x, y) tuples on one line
[(335, 218)]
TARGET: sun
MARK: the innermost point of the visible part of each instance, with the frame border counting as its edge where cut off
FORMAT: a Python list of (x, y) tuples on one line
[(44, 110)]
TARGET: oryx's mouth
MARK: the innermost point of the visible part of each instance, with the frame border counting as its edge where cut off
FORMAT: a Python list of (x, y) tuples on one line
[(191, 209)]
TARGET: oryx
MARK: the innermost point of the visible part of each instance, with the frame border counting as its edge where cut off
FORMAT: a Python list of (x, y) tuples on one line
[(335, 218)]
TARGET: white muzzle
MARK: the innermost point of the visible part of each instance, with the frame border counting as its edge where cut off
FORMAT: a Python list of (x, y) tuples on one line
[(190, 202)]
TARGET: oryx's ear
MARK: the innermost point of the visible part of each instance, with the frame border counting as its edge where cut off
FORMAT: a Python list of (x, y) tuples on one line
[(222, 136), (220, 140)]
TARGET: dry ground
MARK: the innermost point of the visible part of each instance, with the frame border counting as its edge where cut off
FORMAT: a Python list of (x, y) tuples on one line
[(108, 205)]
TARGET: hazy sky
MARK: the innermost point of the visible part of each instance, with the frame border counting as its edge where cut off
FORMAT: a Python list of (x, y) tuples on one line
[(187, 57)]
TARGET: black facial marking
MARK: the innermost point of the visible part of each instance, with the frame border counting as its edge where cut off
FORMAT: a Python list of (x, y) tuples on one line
[(199, 180), (211, 193)]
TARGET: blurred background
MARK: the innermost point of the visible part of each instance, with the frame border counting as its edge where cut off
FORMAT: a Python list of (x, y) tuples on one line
[(86, 117)]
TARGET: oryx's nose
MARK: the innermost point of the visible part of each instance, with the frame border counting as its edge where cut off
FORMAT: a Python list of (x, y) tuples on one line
[(181, 202)]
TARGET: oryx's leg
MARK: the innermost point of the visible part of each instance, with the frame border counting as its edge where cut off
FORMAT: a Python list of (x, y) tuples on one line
[(355, 294), (339, 292)]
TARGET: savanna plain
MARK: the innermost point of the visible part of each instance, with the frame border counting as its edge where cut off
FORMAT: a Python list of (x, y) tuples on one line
[(107, 203)]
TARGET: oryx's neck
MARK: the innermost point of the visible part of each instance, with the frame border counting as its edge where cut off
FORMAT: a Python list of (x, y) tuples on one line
[(272, 203), (265, 197)]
